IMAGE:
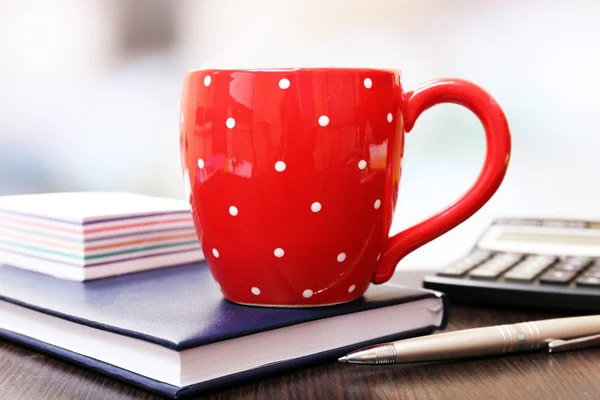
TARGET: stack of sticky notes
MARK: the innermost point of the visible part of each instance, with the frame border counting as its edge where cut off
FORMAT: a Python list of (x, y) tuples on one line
[(88, 235)]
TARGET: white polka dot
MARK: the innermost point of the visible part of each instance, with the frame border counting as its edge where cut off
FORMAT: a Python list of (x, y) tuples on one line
[(255, 291), (368, 83), (307, 293), (233, 210), (181, 118), (341, 257), (378, 256), (279, 252), (377, 204), (207, 80), (362, 164), (284, 83), (230, 123), (351, 288), (215, 253), (200, 163), (323, 120), (218, 286), (280, 166), (390, 117), (315, 207)]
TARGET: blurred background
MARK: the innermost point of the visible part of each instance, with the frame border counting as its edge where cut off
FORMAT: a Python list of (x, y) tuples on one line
[(89, 92)]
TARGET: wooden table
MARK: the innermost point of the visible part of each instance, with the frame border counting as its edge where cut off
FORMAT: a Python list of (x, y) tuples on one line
[(27, 375)]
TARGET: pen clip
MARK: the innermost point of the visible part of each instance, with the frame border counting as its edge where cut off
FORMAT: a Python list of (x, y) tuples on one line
[(560, 345)]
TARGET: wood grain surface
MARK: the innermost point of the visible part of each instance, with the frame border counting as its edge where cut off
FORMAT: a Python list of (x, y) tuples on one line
[(25, 374)]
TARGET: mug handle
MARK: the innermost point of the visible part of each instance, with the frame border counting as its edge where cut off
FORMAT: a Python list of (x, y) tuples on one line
[(498, 143)]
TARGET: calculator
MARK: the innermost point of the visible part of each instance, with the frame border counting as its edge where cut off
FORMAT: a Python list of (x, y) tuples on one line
[(525, 262)]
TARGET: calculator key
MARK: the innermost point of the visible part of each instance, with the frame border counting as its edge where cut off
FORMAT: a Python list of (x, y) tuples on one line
[(529, 268), (485, 274), (538, 261), (509, 256), (495, 266), (590, 281), (557, 277), (595, 274), (477, 257), (521, 274), (566, 266), (580, 262), (455, 270), (465, 264), (480, 254), (526, 276), (544, 259)]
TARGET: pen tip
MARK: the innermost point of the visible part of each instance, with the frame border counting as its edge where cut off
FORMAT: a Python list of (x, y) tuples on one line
[(343, 359)]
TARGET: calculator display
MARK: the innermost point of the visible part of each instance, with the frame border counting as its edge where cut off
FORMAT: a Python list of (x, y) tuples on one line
[(550, 238)]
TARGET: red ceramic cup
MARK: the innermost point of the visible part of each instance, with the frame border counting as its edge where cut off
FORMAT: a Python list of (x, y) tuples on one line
[(293, 177)]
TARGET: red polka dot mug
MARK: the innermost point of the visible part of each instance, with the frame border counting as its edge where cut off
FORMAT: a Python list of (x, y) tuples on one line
[(293, 175)]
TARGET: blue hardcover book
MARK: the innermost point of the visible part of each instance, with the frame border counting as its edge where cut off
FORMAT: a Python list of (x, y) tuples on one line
[(172, 333)]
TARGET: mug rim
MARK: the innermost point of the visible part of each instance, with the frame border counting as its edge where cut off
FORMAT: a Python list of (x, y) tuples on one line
[(395, 71)]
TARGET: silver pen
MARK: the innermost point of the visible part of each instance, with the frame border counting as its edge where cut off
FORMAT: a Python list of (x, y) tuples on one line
[(555, 335)]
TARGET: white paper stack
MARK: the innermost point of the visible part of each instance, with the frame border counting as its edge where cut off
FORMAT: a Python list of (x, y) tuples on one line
[(88, 235)]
